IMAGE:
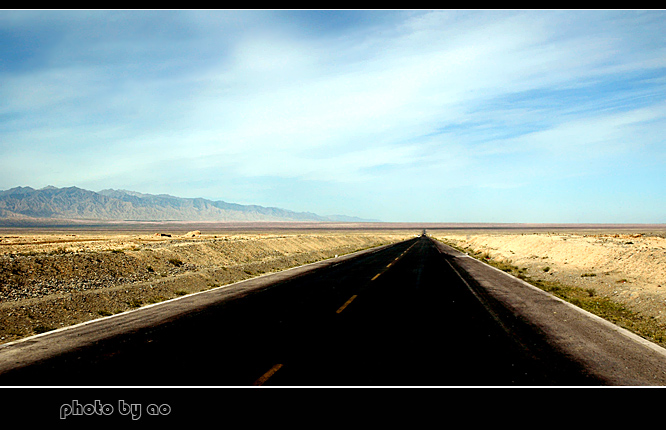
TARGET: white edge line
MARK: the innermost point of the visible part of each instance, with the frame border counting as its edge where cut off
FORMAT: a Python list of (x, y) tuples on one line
[(659, 349), (71, 327)]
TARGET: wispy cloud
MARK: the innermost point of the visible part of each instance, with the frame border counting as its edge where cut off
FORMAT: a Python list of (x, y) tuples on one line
[(428, 103)]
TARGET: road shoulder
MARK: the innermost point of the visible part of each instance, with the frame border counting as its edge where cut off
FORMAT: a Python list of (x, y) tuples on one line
[(611, 353)]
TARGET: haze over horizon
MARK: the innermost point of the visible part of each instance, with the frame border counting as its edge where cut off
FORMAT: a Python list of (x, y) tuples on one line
[(405, 116)]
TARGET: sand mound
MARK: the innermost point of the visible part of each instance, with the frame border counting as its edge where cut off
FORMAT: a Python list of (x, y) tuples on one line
[(630, 268), (49, 281)]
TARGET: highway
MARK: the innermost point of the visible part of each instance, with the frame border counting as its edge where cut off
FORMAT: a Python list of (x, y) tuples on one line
[(415, 313)]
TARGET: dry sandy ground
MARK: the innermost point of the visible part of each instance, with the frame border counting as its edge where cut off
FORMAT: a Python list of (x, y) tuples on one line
[(53, 280), (628, 267), (49, 281)]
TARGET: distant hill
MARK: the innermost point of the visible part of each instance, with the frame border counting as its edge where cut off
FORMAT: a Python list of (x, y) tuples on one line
[(76, 203)]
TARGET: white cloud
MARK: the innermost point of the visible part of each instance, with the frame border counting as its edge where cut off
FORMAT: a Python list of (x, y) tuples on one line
[(438, 97)]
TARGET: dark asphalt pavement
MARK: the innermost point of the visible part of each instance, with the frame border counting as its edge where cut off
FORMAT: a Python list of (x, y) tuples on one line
[(398, 316)]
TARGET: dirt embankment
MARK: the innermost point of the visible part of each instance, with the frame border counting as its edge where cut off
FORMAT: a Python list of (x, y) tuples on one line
[(51, 281), (629, 268)]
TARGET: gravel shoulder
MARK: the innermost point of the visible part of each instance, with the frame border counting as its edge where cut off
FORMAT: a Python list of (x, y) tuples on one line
[(53, 280), (629, 267)]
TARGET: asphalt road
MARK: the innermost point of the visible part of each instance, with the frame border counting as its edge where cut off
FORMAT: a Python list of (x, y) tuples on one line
[(409, 314)]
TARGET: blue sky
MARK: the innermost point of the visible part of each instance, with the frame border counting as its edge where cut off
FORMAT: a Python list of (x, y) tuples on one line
[(397, 115)]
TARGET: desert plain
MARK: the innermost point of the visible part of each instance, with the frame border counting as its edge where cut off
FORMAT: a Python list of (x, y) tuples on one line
[(56, 278), (52, 278), (627, 266)]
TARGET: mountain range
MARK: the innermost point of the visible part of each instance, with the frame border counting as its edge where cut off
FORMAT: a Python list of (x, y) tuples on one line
[(76, 203)]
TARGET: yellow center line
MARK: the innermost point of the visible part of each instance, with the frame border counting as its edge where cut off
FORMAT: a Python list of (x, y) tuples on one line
[(267, 375), (342, 308), (391, 263)]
